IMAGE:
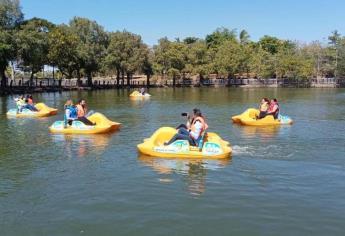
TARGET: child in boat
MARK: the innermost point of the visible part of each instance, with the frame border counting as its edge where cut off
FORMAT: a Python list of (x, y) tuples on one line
[(193, 133), (20, 102), (70, 112)]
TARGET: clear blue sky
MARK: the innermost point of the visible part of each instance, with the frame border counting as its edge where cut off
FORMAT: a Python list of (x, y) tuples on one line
[(302, 20)]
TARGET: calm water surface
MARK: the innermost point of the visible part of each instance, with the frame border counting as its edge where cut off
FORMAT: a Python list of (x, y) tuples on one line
[(279, 181)]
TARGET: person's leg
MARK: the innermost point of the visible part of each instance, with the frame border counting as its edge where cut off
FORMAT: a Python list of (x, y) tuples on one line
[(181, 126), (183, 131), (177, 137), (276, 114), (32, 108), (85, 120), (262, 114)]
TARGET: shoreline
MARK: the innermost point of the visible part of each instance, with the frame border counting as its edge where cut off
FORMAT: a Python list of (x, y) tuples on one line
[(53, 85)]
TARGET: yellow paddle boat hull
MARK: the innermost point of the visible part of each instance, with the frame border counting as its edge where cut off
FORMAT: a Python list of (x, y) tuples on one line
[(136, 95), (249, 117), (43, 111), (103, 125), (213, 146)]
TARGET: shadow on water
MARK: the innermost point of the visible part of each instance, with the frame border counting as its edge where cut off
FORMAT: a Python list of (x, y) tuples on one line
[(193, 171)]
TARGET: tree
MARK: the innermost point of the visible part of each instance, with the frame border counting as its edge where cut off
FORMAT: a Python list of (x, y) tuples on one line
[(219, 36), (244, 37), (190, 40), (170, 58), (63, 43), (198, 59), (334, 42), (147, 67), (10, 14), (270, 44), (32, 41), (126, 54), (227, 59), (93, 41), (10, 17)]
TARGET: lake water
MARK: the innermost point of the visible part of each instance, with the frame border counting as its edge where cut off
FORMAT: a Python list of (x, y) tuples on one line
[(279, 181)]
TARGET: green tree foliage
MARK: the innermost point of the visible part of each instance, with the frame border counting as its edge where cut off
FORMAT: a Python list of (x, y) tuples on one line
[(91, 49), (170, 58), (227, 60), (127, 54), (83, 48), (219, 36), (10, 16), (33, 47), (270, 44), (63, 43)]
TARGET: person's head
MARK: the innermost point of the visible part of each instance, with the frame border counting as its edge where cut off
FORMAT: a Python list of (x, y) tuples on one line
[(27, 96), (265, 100), (69, 102), (197, 112), (82, 102), (275, 100), (30, 97)]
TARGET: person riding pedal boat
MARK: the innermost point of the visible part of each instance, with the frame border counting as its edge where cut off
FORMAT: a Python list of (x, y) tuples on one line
[(273, 108), (192, 134), (71, 112), (264, 105), (82, 112)]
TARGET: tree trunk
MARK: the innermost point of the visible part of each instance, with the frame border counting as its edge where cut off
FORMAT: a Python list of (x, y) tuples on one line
[(89, 79), (123, 77), (148, 80), (3, 77), (174, 81), (201, 79), (128, 80), (117, 78), (31, 79)]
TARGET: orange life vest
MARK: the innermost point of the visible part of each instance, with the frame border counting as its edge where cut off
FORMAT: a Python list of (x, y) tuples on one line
[(81, 111), (30, 102)]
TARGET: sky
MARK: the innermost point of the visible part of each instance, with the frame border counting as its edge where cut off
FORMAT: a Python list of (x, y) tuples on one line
[(301, 20)]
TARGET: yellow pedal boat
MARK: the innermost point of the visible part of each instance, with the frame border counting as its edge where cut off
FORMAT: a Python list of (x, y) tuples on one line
[(249, 118), (212, 146), (43, 111), (138, 95), (103, 125)]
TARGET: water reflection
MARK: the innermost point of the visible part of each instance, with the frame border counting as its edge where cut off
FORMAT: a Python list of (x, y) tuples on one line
[(81, 145), (194, 171), (266, 132)]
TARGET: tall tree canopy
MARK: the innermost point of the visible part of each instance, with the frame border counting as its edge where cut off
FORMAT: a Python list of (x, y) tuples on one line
[(93, 41)]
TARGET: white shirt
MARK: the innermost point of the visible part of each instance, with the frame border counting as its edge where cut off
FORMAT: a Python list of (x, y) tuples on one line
[(198, 128)]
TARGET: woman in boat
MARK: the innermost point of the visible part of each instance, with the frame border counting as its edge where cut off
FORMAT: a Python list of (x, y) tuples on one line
[(273, 108), (264, 105), (193, 133), (82, 112)]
